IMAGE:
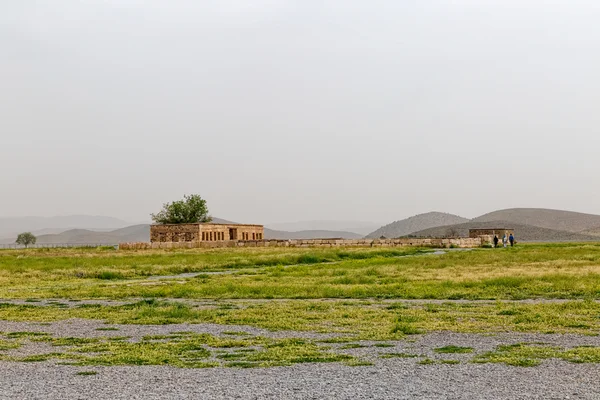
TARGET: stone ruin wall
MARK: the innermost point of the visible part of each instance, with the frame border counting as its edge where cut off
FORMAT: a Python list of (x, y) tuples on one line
[(473, 233), (215, 232), (174, 233), (404, 242), (189, 233)]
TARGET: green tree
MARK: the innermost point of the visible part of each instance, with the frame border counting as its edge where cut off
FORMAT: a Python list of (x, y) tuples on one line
[(192, 209), (26, 238)]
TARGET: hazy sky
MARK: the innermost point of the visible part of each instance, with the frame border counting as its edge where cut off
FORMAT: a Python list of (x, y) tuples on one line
[(293, 110)]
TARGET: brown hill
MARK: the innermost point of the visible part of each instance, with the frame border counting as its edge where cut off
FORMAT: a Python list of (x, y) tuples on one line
[(12, 226), (135, 233), (545, 218), (141, 233), (523, 233), (416, 223)]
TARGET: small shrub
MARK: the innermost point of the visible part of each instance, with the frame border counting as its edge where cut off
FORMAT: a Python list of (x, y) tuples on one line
[(87, 373), (397, 306), (109, 275), (383, 345), (453, 349), (242, 364), (352, 346), (398, 355), (16, 335), (509, 312), (40, 357), (523, 362)]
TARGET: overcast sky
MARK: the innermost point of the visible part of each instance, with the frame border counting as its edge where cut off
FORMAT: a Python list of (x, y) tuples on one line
[(294, 110)]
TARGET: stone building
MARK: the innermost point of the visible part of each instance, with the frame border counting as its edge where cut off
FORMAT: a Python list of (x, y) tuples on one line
[(205, 232), (476, 232)]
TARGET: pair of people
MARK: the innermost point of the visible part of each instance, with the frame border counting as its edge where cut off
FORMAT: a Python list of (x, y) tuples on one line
[(505, 240)]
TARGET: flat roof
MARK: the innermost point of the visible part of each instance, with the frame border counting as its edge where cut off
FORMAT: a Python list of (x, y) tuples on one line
[(206, 223)]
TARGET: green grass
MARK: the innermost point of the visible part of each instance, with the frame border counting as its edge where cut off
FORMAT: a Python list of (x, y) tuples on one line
[(531, 355), (8, 345), (16, 335), (397, 355), (352, 320), (69, 268), (235, 333), (352, 294), (185, 351), (564, 271), (453, 349), (39, 357), (242, 364), (352, 346)]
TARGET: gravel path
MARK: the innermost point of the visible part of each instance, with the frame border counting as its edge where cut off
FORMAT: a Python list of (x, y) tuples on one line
[(390, 379), (395, 378)]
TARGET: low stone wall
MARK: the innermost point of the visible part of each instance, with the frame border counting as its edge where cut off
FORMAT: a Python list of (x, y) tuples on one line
[(404, 242), (491, 232)]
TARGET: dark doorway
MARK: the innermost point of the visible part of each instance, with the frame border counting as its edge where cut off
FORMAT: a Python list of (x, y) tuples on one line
[(232, 234)]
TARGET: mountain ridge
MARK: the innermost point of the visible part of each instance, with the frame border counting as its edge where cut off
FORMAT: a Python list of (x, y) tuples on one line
[(531, 224), (563, 220), (141, 233), (12, 226), (359, 227), (523, 233), (416, 223)]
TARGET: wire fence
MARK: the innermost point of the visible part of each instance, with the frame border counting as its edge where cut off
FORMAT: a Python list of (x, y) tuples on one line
[(57, 245)]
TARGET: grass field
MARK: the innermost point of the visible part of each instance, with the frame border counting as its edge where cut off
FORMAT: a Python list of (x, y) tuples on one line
[(350, 294)]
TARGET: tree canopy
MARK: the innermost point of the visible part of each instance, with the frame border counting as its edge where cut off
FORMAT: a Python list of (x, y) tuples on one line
[(26, 238), (192, 209)]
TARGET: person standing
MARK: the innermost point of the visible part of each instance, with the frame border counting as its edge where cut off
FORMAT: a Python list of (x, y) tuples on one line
[(511, 239), (496, 240), (504, 240)]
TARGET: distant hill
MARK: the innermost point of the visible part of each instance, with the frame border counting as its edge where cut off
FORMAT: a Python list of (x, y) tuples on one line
[(359, 227), (531, 224), (545, 218), (416, 223), (134, 233), (523, 233), (141, 233), (13, 226), (311, 234)]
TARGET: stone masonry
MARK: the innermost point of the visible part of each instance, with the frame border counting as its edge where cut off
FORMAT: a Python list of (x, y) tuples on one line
[(473, 233), (204, 232), (404, 242)]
